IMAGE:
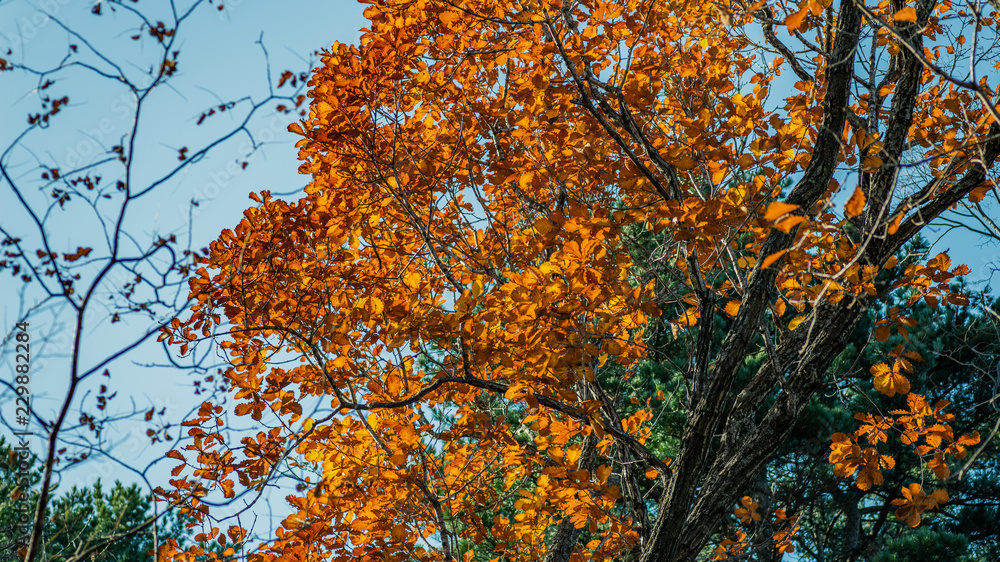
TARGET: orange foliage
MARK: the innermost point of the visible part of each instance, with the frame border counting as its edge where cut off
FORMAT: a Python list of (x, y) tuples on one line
[(481, 172)]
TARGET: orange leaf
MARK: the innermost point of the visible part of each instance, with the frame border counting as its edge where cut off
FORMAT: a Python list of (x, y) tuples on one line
[(786, 225), (882, 333), (915, 501), (685, 162), (895, 224), (399, 532), (603, 472), (732, 308), (871, 162), (718, 175), (526, 180), (376, 305), (889, 381), (906, 14), (856, 204), (778, 209), (79, 253), (979, 193), (771, 259), (794, 21)]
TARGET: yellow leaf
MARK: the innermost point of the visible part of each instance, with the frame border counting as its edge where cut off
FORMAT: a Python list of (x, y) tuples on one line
[(732, 308), (915, 501), (748, 512), (449, 18), (796, 321), (412, 279), (856, 203), (377, 306), (718, 175), (525, 180), (690, 317), (544, 225), (957, 299), (906, 14), (816, 8)]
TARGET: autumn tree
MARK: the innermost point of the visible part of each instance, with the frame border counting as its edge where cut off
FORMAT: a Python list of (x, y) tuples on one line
[(958, 345), (520, 210), (837, 519)]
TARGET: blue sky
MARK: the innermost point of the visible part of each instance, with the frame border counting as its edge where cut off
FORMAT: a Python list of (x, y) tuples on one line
[(219, 61)]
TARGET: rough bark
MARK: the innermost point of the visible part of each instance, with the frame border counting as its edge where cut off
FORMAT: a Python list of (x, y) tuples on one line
[(678, 533)]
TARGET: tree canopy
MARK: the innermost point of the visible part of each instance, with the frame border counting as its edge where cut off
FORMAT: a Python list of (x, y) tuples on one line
[(520, 212)]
